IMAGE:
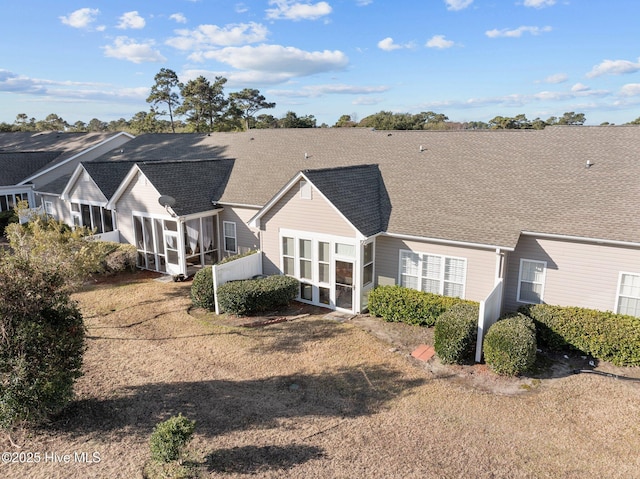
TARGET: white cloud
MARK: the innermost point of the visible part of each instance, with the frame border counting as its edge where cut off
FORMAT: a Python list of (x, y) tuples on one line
[(82, 18), (557, 78), (178, 17), (389, 45), (367, 101), (614, 67), (630, 89), (495, 33), (275, 59), (579, 87), (210, 36), (241, 8), (363, 3), (438, 41), (125, 48), (131, 20), (457, 4), (289, 10), (539, 3), (322, 90)]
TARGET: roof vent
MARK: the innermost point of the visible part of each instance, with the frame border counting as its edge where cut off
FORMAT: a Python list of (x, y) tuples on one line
[(306, 155), (589, 164), (422, 148)]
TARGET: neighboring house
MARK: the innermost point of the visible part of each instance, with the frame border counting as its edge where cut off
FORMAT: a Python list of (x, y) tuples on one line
[(29, 160), (551, 213)]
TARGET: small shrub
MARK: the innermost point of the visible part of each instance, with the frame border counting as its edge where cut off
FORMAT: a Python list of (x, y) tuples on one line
[(169, 438), (202, 289), (455, 334), (510, 345), (234, 257), (6, 218), (400, 304), (256, 295), (602, 334), (123, 258)]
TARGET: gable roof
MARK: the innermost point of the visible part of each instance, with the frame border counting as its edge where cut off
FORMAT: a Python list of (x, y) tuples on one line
[(21, 149), (358, 192), (107, 175), (17, 166), (482, 187)]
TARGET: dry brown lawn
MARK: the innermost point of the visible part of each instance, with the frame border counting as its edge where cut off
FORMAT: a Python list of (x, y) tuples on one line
[(315, 398)]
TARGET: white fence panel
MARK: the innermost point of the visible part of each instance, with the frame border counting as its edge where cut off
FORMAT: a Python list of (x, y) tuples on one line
[(490, 309), (241, 268)]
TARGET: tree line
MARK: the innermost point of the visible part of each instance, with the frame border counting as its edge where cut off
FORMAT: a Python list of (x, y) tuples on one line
[(200, 106)]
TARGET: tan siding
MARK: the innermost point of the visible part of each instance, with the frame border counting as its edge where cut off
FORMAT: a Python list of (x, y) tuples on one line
[(85, 190), (61, 209), (578, 274), (247, 237), (481, 264), (292, 212), (141, 196)]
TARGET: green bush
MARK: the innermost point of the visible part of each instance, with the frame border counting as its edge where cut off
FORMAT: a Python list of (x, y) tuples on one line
[(169, 438), (510, 345), (121, 259), (455, 334), (255, 295), (234, 257), (603, 335), (202, 289), (400, 304), (7, 217)]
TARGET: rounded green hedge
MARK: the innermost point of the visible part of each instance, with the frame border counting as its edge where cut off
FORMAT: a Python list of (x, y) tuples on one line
[(510, 345), (202, 289), (256, 295), (400, 304), (602, 334), (169, 438), (455, 334)]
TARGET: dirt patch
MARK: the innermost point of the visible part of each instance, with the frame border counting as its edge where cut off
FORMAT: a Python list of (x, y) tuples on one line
[(312, 397)]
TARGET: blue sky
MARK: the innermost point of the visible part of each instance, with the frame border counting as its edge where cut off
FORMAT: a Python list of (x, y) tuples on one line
[(468, 59)]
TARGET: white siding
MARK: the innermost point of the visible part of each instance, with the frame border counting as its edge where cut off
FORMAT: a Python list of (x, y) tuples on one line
[(578, 273), (247, 237), (84, 190)]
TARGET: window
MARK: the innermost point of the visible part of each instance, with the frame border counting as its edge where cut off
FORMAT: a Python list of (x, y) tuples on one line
[(48, 207), (305, 259), (367, 260), (531, 281), (629, 294), (305, 190), (323, 262), (288, 256), (93, 217), (230, 241), (436, 274)]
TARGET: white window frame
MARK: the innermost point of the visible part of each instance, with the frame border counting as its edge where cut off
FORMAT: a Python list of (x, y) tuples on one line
[(234, 236), (441, 276), (618, 295), (48, 207), (542, 283)]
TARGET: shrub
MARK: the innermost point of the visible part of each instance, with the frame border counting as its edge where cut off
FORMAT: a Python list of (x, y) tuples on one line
[(234, 257), (169, 438), (510, 345), (400, 304), (122, 258), (42, 342), (456, 333), (202, 289), (255, 295), (7, 217), (604, 335)]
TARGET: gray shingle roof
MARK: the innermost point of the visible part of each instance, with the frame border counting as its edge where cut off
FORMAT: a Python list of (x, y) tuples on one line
[(18, 166), (194, 184), (472, 186), (359, 194), (108, 175)]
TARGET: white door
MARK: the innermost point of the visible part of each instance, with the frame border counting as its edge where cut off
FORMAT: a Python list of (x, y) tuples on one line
[(171, 246)]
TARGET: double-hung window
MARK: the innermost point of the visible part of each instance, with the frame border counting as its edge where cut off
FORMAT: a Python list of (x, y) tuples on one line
[(531, 281), (431, 273), (628, 301), (230, 239)]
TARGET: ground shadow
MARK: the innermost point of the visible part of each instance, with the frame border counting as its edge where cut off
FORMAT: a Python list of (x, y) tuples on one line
[(258, 460), (219, 406)]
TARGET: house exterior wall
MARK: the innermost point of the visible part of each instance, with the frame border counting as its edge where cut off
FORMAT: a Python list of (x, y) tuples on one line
[(246, 236), (69, 167), (61, 209), (291, 212), (139, 196), (84, 190), (582, 274), (480, 274)]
